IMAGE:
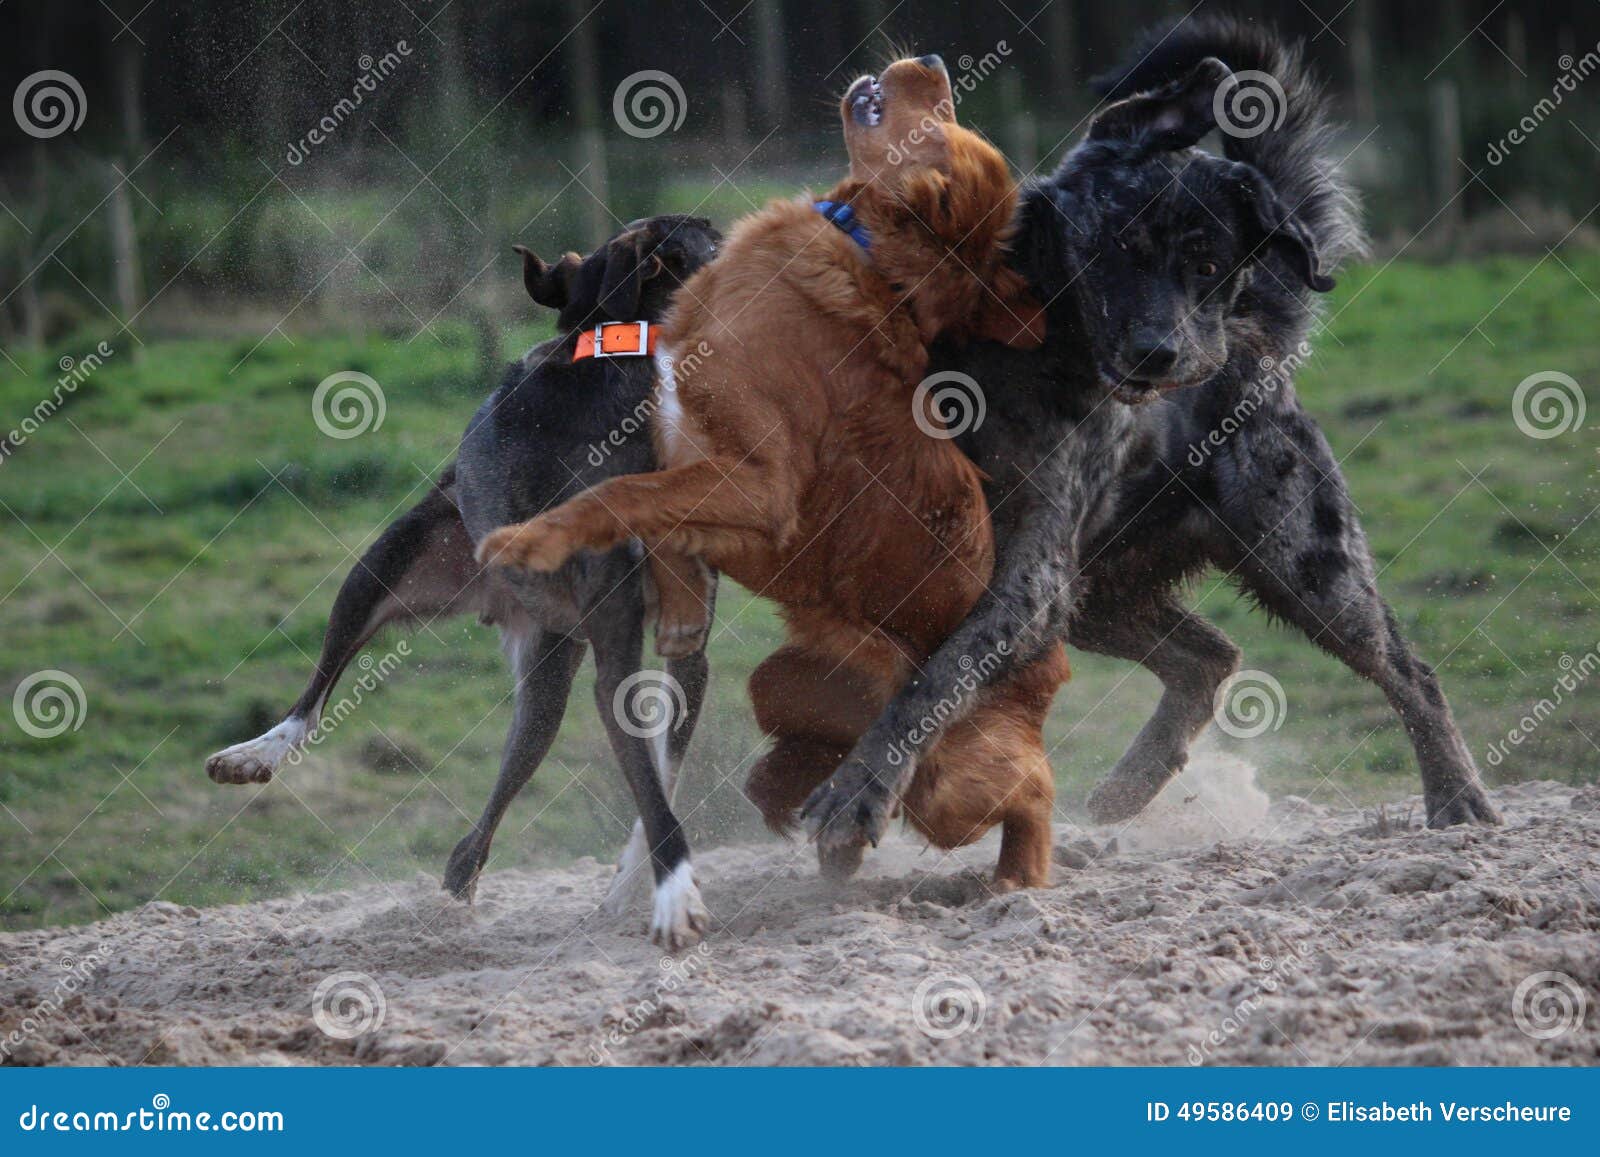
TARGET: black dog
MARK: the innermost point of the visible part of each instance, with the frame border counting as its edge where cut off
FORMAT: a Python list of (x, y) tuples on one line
[(1167, 267), (550, 431)]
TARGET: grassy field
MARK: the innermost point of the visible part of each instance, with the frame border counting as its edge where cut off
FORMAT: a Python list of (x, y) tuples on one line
[(175, 533)]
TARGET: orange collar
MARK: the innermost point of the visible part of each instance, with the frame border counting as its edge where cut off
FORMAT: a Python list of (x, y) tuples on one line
[(617, 339)]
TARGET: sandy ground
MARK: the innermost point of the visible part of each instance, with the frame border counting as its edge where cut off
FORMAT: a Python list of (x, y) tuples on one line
[(1218, 928)]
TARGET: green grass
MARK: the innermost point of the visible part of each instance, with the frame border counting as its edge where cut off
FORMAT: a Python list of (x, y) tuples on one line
[(187, 598)]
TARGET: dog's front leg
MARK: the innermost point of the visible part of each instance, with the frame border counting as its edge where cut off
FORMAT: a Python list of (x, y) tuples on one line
[(667, 507), (545, 542)]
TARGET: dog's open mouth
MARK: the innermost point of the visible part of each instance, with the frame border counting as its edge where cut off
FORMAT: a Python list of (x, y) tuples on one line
[(1136, 393), (1133, 391), (865, 99)]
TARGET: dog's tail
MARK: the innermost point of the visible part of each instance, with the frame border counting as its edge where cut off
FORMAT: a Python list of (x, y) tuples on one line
[(1274, 115)]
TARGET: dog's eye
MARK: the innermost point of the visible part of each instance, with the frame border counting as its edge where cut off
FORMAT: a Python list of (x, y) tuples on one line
[(1206, 269)]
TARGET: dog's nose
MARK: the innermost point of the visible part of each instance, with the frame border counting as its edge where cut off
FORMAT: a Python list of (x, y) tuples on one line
[(1151, 353), (932, 60)]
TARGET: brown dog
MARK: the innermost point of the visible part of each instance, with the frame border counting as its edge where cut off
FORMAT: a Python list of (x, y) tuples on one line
[(797, 465)]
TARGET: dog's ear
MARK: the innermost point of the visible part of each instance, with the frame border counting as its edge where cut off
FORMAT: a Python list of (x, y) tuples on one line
[(628, 267), (1174, 116), (1284, 232), (549, 285), (1009, 314)]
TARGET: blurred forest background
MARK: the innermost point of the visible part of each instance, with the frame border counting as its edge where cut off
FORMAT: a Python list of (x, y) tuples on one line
[(244, 198), (499, 125)]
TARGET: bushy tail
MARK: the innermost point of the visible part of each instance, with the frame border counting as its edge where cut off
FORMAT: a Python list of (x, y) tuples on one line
[(1294, 149)]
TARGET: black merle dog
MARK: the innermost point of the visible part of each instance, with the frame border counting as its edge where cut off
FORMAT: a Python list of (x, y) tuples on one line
[(549, 431), (1165, 267)]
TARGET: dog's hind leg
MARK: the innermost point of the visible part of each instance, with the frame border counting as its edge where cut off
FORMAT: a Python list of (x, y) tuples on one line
[(1351, 621), (991, 768), (693, 674), (636, 708), (545, 665), (815, 705), (420, 568), (1190, 656), (1306, 560)]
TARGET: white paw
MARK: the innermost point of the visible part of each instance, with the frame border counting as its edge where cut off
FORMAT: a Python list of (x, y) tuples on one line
[(680, 917), (254, 760), (633, 874)]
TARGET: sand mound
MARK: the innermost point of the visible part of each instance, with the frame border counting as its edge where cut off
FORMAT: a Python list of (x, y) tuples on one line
[(1217, 929)]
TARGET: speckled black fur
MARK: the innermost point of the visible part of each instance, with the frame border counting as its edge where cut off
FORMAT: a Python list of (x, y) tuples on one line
[(1167, 266)]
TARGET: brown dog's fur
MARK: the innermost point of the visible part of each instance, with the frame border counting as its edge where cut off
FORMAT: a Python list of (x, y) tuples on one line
[(796, 466)]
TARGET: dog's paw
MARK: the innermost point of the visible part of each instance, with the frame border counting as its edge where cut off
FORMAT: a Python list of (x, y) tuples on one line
[(538, 545), (465, 866), (1124, 794), (1465, 803), (254, 760), (850, 811), (680, 918)]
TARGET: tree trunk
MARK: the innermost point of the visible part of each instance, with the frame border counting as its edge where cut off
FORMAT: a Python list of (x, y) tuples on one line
[(1447, 168), (586, 108), (1061, 33), (1364, 85), (773, 82), (734, 130), (30, 307), (128, 276), (1022, 134), (1517, 50)]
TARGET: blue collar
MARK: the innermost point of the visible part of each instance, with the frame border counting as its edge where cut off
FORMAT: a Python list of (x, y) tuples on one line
[(843, 217)]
